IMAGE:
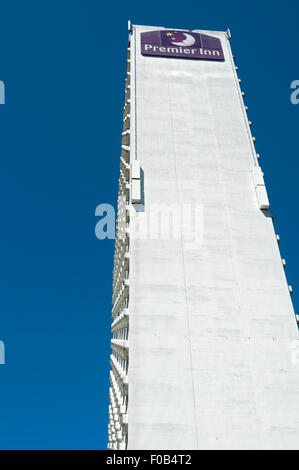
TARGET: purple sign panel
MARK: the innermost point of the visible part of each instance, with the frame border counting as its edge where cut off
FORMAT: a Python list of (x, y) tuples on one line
[(186, 45)]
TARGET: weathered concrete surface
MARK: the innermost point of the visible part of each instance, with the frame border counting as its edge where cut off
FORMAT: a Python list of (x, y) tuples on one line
[(212, 327)]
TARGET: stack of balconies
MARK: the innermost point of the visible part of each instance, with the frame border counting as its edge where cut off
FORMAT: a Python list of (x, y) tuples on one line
[(119, 359)]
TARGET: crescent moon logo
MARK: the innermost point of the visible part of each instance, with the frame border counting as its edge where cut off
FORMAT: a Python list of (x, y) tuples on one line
[(188, 41)]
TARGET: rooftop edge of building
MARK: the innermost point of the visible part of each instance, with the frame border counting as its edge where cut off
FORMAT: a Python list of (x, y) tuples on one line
[(210, 31)]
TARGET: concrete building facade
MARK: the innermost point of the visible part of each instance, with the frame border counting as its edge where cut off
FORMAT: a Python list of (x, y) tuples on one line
[(204, 331)]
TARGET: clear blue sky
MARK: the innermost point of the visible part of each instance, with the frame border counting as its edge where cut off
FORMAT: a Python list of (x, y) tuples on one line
[(63, 63)]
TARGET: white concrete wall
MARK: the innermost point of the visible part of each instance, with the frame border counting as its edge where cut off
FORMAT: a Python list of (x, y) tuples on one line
[(212, 327)]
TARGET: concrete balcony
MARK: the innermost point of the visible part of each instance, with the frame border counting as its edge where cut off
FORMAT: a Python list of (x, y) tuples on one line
[(120, 346), (124, 418)]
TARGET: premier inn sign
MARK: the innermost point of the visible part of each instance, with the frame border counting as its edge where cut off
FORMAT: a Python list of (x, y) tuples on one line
[(186, 45)]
